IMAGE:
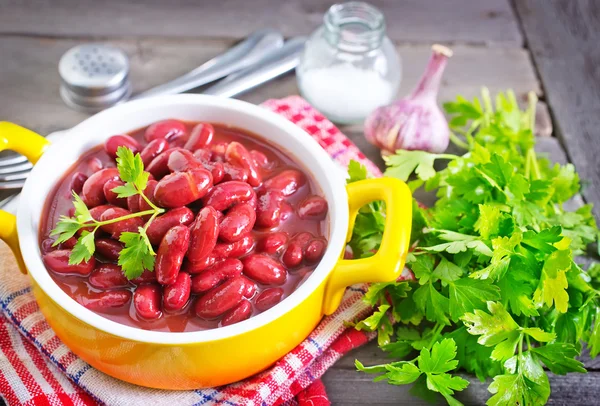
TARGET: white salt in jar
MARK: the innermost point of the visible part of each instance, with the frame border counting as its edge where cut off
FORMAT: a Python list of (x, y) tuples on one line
[(349, 66)]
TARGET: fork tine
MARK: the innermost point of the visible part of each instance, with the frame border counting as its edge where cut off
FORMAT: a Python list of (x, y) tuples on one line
[(18, 184), (7, 200), (12, 160), (15, 168), (14, 176)]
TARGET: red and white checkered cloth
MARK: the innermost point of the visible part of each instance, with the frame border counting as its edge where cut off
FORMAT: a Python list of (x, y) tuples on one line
[(38, 369)]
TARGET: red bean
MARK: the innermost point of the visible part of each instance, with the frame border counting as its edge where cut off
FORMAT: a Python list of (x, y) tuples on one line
[(77, 181), (146, 300), (238, 221), (159, 166), (234, 249), (315, 250), (237, 154), (182, 188), (167, 129), (286, 212), (68, 244), (268, 298), (95, 164), (260, 160), (221, 299), (239, 313), (149, 193), (152, 150), (176, 295), (288, 181), (108, 248), (100, 301), (264, 269), (203, 155), (273, 243), (201, 135), (161, 224), (217, 171), (182, 161), (312, 208), (294, 254), (170, 254), (108, 276), (115, 229), (234, 172), (204, 233), (113, 143), (250, 289), (111, 196), (194, 268), (226, 194), (268, 212), (211, 277), (133, 203), (93, 188), (218, 151), (58, 261), (146, 277)]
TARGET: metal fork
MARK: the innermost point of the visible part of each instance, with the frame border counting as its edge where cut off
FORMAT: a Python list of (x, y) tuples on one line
[(14, 169)]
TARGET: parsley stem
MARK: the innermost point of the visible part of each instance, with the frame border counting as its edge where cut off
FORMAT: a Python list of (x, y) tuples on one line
[(156, 213), (438, 329), (117, 219), (156, 208), (520, 346), (458, 142)]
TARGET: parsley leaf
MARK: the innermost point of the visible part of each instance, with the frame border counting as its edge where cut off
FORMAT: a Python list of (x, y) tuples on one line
[(468, 294), (137, 255), (65, 229), (403, 164), (559, 358), (434, 364), (83, 249), (131, 168)]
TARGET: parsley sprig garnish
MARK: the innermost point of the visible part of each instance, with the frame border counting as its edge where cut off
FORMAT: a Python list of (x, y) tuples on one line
[(138, 254), (498, 291)]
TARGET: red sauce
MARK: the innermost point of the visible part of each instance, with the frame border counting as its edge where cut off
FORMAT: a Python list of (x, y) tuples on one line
[(59, 203)]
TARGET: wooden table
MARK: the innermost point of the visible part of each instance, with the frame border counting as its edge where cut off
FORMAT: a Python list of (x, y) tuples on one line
[(546, 46)]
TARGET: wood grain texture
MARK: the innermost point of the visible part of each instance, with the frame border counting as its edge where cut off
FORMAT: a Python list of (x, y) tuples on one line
[(422, 21), (563, 38), (29, 77)]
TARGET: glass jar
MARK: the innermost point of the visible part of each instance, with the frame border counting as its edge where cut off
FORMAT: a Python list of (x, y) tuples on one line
[(349, 66)]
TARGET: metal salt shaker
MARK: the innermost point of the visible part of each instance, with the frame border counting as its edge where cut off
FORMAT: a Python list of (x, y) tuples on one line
[(94, 77)]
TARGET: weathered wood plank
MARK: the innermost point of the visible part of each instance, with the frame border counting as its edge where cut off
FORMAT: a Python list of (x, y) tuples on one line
[(422, 21), (29, 77), (563, 37)]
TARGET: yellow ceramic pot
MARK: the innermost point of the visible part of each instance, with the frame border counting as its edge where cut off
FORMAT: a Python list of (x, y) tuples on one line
[(215, 357)]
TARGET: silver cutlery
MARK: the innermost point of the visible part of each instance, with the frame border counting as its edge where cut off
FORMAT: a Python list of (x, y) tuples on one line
[(273, 65), (245, 54), (14, 169)]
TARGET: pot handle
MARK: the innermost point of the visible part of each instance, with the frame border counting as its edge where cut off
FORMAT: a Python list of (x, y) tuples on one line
[(387, 264), (31, 145)]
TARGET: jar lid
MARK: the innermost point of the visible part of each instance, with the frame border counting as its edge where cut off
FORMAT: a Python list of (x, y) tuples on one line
[(94, 77)]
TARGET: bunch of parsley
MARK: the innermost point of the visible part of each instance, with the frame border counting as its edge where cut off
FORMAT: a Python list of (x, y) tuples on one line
[(497, 290)]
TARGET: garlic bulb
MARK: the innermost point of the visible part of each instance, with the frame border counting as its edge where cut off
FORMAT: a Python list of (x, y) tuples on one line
[(415, 122)]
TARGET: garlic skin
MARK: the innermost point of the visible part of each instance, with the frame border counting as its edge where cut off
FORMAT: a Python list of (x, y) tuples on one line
[(414, 122)]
